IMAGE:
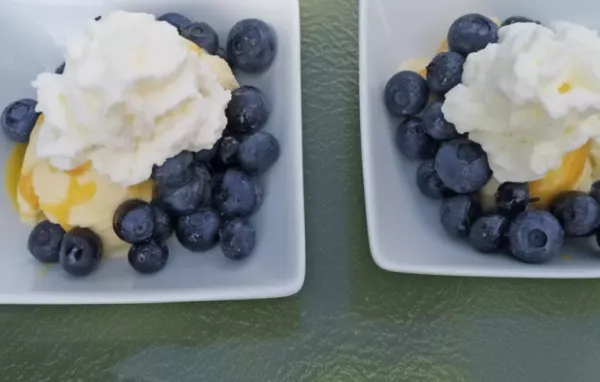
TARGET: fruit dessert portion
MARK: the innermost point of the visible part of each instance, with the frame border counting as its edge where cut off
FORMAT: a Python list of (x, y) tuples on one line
[(505, 120), (143, 132)]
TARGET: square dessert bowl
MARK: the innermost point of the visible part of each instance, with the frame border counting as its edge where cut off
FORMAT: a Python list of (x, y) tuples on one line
[(405, 232), (34, 36)]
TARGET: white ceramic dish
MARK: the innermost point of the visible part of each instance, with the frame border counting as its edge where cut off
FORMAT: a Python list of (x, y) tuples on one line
[(404, 230), (31, 34)]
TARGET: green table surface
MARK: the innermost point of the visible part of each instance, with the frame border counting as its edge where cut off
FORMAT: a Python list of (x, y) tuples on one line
[(352, 321)]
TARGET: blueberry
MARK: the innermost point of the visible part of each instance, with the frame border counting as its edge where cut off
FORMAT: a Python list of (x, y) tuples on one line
[(413, 141), (577, 212), (258, 152), (471, 33), (238, 194), (445, 72), (185, 199), (175, 171), (518, 19), (148, 257), (134, 221), (202, 35), (458, 213), (436, 125), (44, 241), (595, 191), (227, 154), (248, 110), (489, 233), (535, 237), (251, 46), (60, 69), (163, 224), (512, 198), (18, 120), (206, 155), (222, 53), (177, 20), (462, 165), (199, 231), (80, 252), (238, 239), (429, 181), (203, 173), (406, 94)]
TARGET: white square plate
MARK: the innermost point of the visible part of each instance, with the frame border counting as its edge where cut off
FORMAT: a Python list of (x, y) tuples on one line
[(31, 35), (404, 230)]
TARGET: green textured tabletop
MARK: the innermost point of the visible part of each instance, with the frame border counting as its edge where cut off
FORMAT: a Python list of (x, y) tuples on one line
[(352, 321)]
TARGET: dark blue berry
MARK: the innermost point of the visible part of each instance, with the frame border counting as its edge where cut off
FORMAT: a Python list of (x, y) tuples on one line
[(518, 19), (471, 33), (436, 125), (251, 46), (174, 171), (148, 257), (577, 212), (258, 152), (227, 154), (406, 94), (60, 69), (535, 237), (203, 173), (458, 213), (163, 224), (222, 53), (177, 20), (248, 110), (445, 72), (489, 233), (429, 181), (512, 198), (18, 120), (202, 35), (44, 241), (413, 141), (80, 252), (595, 191), (238, 194), (462, 165), (206, 155), (134, 221), (185, 199), (238, 239), (199, 231)]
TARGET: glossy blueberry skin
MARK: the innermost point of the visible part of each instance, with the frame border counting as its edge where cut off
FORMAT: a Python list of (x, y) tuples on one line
[(148, 257), (199, 231), (44, 242), (535, 237), (436, 125), (134, 221), (238, 194), (185, 199), (577, 212), (518, 19), (175, 171), (258, 152), (406, 94), (512, 198), (248, 111), (429, 181), (80, 252), (177, 20), (463, 166), (458, 213), (163, 224), (206, 155), (489, 233), (445, 72), (18, 120), (471, 33), (238, 239), (412, 140), (202, 35), (60, 69), (203, 173), (251, 46), (227, 154)]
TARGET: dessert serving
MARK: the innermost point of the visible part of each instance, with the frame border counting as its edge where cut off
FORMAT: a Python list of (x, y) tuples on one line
[(143, 132), (505, 121)]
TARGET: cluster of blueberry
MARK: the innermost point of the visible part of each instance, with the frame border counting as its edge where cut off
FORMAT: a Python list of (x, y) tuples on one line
[(455, 169)]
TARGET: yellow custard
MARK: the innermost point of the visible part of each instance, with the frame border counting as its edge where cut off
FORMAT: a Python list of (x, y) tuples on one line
[(12, 173)]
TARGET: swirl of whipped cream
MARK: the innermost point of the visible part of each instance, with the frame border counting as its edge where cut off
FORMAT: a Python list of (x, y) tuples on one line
[(132, 95)]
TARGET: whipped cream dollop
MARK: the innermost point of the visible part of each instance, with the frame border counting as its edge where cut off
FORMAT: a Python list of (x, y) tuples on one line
[(531, 98), (132, 95)]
